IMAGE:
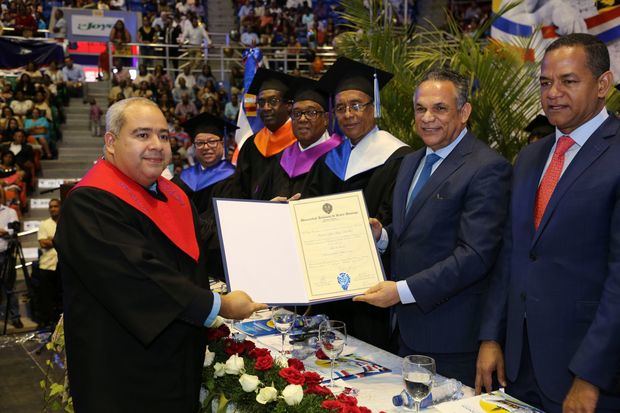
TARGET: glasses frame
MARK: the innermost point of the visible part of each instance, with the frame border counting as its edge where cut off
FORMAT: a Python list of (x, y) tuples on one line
[(353, 108), (307, 114), (209, 144)]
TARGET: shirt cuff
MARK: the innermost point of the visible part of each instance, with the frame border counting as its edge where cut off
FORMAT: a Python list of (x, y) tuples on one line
[(383, 242), (404, 293), (215, 310)]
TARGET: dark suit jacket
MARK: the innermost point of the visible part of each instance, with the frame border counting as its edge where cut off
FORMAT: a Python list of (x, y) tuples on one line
[(565, 275), (447, 243)]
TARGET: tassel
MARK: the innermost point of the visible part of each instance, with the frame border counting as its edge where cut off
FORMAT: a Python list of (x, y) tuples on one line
[(377, 100), (332, 114)]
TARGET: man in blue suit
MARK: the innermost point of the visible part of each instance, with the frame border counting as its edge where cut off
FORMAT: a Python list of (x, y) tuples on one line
[(449, 207), (553, 312)]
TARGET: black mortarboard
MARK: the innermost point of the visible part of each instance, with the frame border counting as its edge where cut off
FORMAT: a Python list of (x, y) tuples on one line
[(308, 89), (270, 79), (207, 123), (540, 125), (347, 74)]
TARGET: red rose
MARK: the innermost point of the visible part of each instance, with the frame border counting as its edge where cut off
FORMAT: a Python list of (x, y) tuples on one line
[(319, 390), (214, 334), (320, 355), (349, 409), (312, 377), (292, 376), (364, 409), (259, 352), (233, 347), (331, 404), (348, 400), (248, 346), (264, 363), (296, 364)]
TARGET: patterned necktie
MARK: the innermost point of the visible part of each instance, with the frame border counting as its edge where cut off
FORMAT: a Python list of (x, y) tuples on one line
[(551, 178), (430, 160)]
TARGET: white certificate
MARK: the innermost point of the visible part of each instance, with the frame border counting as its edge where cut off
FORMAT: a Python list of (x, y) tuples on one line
[(301, 252)]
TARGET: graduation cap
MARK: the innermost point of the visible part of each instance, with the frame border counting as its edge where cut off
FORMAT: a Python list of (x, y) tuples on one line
[(207, 123), (308, 89), (270, 79), (540, 126), (347, 74)]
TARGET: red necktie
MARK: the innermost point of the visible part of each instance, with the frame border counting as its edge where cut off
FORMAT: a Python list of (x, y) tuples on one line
[(551, 178)]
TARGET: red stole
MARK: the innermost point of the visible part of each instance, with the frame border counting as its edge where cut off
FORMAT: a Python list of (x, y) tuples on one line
[(174, 217)]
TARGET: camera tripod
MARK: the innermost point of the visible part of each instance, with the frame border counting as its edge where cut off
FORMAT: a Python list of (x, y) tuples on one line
[(8, 274)]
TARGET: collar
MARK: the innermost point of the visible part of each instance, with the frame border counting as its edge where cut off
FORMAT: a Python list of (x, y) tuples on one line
[(446, 150), (322, 139), (373, 130), (271, 143), (582, 133)]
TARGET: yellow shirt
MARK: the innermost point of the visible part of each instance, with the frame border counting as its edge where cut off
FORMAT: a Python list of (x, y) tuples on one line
[(49, 257)]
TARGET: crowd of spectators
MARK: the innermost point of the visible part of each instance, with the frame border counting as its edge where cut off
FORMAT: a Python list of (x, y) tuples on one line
[(471, 14), (31, 112)]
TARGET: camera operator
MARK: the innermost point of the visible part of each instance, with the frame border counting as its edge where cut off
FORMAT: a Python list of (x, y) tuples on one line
[(50, 295), (9, 225)]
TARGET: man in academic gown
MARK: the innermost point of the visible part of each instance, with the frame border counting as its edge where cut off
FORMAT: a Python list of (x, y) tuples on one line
[(210, 177), (310, 118), (136, 294), (258, 151), (368, 159)]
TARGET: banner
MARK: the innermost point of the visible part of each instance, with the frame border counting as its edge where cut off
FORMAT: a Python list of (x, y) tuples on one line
[(556, 18), (95, 25), (16, 53)]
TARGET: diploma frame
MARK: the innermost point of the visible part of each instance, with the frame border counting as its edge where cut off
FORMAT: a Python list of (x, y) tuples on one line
[(298, 253)]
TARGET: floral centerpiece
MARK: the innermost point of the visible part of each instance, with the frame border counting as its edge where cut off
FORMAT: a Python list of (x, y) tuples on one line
[(253, 380)]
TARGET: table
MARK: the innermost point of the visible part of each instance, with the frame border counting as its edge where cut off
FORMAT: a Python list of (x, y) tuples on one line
[(375, 392)]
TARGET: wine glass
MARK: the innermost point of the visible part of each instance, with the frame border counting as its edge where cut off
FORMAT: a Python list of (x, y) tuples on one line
[(333, 339), (283, 321), (418, 372)]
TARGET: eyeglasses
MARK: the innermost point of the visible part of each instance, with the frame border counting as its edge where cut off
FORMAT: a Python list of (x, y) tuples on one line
[(273, 101), (354, 108), (210, 144), (311, 114)]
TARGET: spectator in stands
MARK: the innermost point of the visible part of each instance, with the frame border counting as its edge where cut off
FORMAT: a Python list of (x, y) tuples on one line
[(25, 23), (117, 5), (195, 34), (60, 24), (25, 85), (40, 102), (182, 7), (73, 77), (50, 287), (10, 126), (190, 79), (24, 155), (165, 102), (236, 78), (144, 91), (204, 76), (8, 215), (185, 109), (211, 107), (120, 36), (13, 191), (143, 75), (7, 95), (244, 10), (231, 111), (170, 35), (146, 34), (20, 105), (249, 38), (33, 72), (208, 91), (119, 87), (161, 78), (38, 127), (54, 73)]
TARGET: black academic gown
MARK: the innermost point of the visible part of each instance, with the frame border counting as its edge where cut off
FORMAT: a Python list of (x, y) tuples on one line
[(134, 309), (209, 237), (276, 182), (366, 322), (251, 167)]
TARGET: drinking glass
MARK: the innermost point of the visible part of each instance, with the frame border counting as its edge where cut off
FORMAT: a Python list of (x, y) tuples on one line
[(283, 321), (418, 372), (333, 339)]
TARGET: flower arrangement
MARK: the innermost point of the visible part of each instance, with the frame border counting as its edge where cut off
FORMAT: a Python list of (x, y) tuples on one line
[(253, 380)]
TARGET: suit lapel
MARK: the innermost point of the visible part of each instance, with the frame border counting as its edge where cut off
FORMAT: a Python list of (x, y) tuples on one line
[(594, 147), (401, 188), (447, 167)]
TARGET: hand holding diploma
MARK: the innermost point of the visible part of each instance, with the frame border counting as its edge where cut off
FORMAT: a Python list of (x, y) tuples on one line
[(237, 305), (384, 294)]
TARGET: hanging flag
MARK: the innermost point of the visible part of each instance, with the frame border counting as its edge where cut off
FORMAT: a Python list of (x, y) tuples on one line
[(248, 121)]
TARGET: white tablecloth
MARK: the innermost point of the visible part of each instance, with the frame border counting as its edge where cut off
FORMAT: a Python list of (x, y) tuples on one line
[(375, 392)]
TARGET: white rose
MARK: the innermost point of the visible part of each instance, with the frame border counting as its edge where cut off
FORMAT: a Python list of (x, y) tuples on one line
[(266, 395), (219, 369), (292, 394), (234, 364), (249, 382), (281, 361), (209, 357)]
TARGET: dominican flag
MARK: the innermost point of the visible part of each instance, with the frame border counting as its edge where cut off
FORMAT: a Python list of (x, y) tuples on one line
[(248, 121), (519, 23)]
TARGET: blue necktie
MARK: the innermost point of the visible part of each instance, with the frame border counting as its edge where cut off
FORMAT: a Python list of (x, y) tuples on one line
[(430, 160)]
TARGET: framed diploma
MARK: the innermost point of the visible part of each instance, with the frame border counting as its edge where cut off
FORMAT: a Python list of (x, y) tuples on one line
[(301, 252)]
